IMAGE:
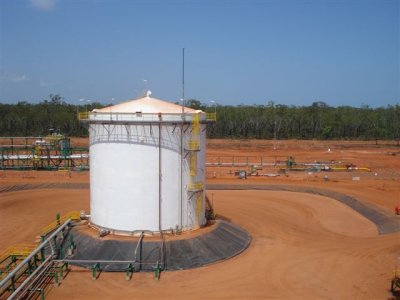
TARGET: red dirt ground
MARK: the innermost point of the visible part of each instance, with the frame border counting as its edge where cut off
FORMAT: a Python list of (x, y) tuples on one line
[(303, 246)]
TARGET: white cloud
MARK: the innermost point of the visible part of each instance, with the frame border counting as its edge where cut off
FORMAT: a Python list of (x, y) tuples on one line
[(7, 77), (44, 5)]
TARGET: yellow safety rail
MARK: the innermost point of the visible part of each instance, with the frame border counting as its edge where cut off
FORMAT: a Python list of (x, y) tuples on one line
[(199, 208), (211, 117), (195, 125), (74, 215), (17, 250), (54, 138), (84, 115), (198, 186), (363, 169), (193, 145), (193, 164), (338, 168), (38, 152)]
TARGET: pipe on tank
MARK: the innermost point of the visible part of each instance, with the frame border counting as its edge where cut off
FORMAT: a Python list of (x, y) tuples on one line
[(180, 206), (162, 260), (159, 174)]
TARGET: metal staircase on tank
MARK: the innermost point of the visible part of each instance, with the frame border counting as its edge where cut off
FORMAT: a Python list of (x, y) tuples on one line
[(195, 187)]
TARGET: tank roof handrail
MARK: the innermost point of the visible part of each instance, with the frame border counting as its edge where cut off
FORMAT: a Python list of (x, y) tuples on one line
[(86, 114)]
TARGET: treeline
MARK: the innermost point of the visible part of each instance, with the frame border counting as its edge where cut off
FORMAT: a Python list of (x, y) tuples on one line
[(317, 121), (271, 121), (53, 115)]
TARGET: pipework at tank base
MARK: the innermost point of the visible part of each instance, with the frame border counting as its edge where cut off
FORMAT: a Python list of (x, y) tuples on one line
[(221, 241), (103, 231)]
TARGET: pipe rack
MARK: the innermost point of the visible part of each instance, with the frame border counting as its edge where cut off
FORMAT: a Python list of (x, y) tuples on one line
[(11, 279)]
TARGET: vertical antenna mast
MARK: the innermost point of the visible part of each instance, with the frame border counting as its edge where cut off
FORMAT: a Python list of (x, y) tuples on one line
[(180, 212), (183, 79)]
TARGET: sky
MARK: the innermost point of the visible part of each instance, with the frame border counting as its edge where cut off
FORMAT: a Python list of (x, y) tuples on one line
[(292, 52)]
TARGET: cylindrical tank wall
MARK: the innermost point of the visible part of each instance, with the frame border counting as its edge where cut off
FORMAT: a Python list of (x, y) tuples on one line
[(125, 185)]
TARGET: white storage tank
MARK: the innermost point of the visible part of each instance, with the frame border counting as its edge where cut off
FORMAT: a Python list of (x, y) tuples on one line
[(147, 167)]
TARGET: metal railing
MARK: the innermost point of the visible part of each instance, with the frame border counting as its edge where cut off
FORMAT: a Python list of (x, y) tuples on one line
[(211, 117), (193, 145), (84, 115), (16, 250), (73, 215), (193, 187), (12, 278), (139, 116)]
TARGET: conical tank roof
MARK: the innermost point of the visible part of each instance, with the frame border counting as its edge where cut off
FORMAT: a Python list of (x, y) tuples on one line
[(146, 105)]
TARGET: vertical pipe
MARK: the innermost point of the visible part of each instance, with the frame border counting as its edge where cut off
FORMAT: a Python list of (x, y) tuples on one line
[(180, 207), (159, 173), (162, 260), (181, 182)]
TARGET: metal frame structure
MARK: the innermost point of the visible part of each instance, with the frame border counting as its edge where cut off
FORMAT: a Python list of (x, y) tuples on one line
[(26, 270), (31, 276), (96, 266), (53, 152), (281, 162)]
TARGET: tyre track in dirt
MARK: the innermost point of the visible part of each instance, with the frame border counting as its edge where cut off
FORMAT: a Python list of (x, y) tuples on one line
[(42, 186), (384, 221)]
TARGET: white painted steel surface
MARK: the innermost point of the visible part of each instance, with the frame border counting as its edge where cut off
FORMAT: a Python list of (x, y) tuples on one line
[(124, 174)]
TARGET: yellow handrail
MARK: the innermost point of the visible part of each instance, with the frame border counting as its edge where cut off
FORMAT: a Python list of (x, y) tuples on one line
[(83, 115), (198, 186), (193, 164), (23, 250), (211, 117), (194, 145), (195, 126), (17, 250), (396, 273), (73, 215), (26, 249)]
